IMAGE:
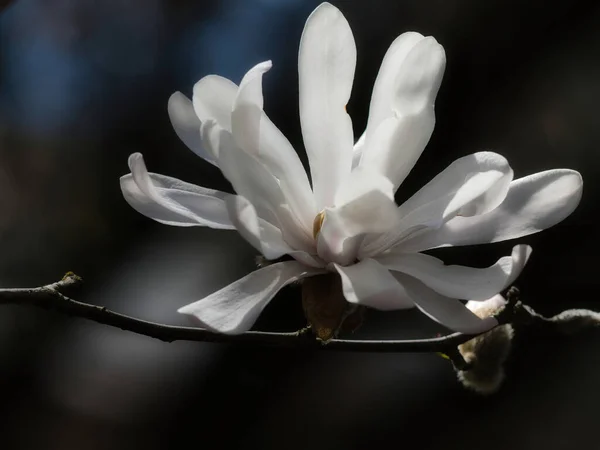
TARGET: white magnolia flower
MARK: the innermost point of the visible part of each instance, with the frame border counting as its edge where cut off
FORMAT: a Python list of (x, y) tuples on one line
[(347, 222)]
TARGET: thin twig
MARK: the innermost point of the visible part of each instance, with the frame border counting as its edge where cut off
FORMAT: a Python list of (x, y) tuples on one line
[(50, 297)]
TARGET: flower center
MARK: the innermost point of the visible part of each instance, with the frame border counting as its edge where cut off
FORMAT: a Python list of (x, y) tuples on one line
[(318, 223)]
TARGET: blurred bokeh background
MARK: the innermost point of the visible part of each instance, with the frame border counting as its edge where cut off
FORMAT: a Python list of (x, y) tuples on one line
[(85, 83)]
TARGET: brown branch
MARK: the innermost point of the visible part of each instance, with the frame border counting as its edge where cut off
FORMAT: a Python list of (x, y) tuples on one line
[(51, 297)]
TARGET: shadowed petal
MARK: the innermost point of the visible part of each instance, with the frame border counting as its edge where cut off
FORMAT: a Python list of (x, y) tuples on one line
[(533, 203), (402, 116), (459, 281), (235, 308), (447, 311), (471, 185), (365, 204), (262, 235), (213, 100), (171, 201), (187, 125), (254, 133), (368, 283), (384, 88)]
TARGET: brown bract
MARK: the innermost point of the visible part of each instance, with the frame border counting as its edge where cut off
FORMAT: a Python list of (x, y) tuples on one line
[(326, 309)]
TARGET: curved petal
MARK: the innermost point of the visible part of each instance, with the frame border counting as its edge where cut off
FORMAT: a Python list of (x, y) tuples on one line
[(382, 98), (471, 185), (253, 181), (235, 308), (213, 100), (397, 144), (459, 281), (171, 201), (363, 180), (254, 132), (533, 203), (307, 259), (366, 205), (249, 178), (372, 212), (419, 78), (250, 90), (187, 125), (326, 64), (334, 247), (368, 283), (262, 235), (449, 312), (402, 116), (210, 135)]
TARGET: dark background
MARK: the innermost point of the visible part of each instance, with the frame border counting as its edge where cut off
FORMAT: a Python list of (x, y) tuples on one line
[(85, 83)]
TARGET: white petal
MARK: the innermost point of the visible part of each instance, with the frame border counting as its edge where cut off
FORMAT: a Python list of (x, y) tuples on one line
[(210, 135), (533, 203), (213, 100), (447, 311), (253, 181), (471, 185), (235, 308), (280, 158), (249, 178), (361, 181), (370, 284), (326, 64), (402, 117), (171, 201), (338, 248), (397, 144), (419, 78), (385, 84), (366, 205), (372, 212), (262, 235), (307, 259), (254, 132), (250, 90), (187, 125), (459, 281)]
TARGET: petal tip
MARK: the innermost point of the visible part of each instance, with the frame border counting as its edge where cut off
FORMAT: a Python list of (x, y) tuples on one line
[(525, 248), (176, 96), (435, 48), (325, 6), (177, 105), (577, 178), (324, 9), (135, 158), (185, 310), (124, 178)]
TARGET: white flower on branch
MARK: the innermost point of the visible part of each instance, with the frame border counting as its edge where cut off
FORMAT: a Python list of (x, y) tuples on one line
[(346, 222)]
